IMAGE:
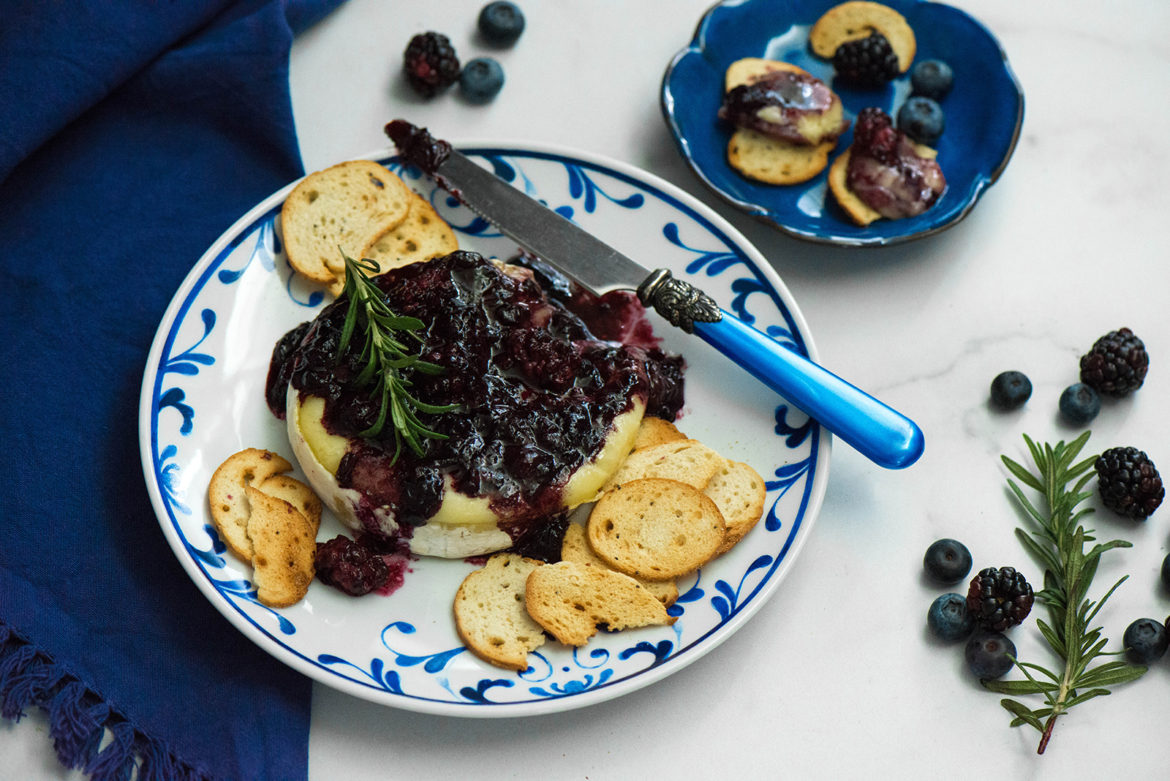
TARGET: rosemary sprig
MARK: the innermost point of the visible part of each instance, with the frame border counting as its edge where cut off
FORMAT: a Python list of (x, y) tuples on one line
[(1058, 541), (387, 358)]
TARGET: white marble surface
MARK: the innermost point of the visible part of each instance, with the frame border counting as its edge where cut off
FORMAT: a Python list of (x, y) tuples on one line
[(837, 677)]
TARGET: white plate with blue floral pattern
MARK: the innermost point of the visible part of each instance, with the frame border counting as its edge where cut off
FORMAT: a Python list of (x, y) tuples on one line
[(203, 399)]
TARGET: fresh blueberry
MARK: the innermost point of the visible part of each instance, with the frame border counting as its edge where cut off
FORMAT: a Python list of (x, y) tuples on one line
[(922, 119), (1166, 571), (1079, 404), (949, 618), (1146, 640), (947, 561), (1010, 390), (481, 79), (989, 655), (501, 22), (931, 79)]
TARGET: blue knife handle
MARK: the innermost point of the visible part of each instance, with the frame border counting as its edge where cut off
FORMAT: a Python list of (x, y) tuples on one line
[(878, 432)]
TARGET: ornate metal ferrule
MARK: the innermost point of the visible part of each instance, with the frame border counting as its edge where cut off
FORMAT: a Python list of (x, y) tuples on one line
[(681, 303)]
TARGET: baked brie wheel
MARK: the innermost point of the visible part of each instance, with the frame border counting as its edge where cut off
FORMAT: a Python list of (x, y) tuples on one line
[(463, 525), (543, 411)]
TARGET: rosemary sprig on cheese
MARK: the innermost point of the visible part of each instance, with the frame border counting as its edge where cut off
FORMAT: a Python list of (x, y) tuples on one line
[(387, 358)]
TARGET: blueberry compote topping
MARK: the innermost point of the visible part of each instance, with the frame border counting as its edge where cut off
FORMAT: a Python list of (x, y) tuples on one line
[(350, 566), (618, 316), (543, 541), (886, 172), (362, 565), (417, 146), (773, 103), (537, 391)]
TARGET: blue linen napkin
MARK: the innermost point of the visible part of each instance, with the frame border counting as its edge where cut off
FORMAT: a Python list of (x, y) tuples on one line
[(131, 135)]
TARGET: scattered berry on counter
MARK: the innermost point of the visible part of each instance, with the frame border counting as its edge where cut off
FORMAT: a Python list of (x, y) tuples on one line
[(931, 79), (999, 598), (501, 22), (1166, 571), (1129, 482), (349, 566), (922, 119), (1116, 365), (949, 619), (481, 79), (989, 655), (1146, 641), (866, 62), (1079, 404), (1010, 389), (430, 63), (947, 561)]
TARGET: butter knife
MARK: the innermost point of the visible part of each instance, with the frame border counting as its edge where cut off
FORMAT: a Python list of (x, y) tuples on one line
[(877, 431)]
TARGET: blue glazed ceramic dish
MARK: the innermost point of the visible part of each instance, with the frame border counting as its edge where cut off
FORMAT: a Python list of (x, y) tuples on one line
[(984, 113), (203, 399)]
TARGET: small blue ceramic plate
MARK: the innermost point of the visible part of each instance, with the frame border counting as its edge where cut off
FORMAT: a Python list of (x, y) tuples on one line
[(984, 112)]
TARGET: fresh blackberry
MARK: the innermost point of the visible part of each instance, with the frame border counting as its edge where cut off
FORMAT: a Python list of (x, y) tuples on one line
[(1116, 365), (875, 133), (1146, 641), (947, 561), (1129, 482), (430, 63), (999, 598), (989, 655), (1010, 390), (866, 62)]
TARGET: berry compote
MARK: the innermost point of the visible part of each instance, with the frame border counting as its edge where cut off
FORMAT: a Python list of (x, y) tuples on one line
[(350, 566), (537, 391), (774, 103), (417, 146), (886, 171)]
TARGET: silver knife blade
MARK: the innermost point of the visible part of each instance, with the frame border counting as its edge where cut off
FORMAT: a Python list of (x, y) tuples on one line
[(590, 262)]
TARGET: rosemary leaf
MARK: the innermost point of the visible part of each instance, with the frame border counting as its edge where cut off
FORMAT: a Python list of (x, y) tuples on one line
[(1108, 593), (1077, 700), (1112, 673), (1024, 476), (1054, 641), (1026, 666), (1022, 713), (1038, 549), (1019, 687)]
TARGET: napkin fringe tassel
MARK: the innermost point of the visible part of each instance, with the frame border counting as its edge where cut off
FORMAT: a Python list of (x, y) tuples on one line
[(87, 733)]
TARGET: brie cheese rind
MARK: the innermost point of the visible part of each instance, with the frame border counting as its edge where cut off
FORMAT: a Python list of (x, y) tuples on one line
[(463, 525)]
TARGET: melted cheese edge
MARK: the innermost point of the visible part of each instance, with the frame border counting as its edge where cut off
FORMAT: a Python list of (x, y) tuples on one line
[(463, 525)]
